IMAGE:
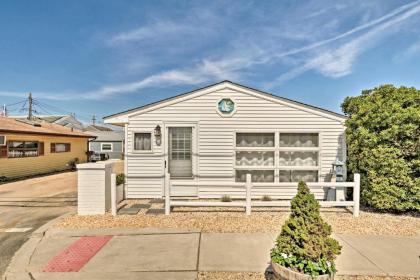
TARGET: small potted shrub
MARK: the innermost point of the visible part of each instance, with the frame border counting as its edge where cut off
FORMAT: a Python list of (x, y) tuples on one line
[(304, 248), (120, 179)]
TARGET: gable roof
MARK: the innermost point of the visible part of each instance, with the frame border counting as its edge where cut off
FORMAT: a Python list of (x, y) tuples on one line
[(108, 136), (24, 126), (63, 120), (94, 127), (228, 83)]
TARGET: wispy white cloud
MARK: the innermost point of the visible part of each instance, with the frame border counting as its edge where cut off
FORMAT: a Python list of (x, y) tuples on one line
[(241, 49), (153, 31), (412, 50), (338, 62)]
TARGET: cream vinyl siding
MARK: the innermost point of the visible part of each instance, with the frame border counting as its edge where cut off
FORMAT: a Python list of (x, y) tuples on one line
[(215, 137)]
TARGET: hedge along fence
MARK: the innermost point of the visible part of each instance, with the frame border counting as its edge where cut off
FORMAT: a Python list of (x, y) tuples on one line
[(249, 189), (383, 136)]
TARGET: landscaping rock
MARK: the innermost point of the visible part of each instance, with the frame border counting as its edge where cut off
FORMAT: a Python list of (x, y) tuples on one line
[(157, 200), (140, 206), (128, 211), (155, 211)]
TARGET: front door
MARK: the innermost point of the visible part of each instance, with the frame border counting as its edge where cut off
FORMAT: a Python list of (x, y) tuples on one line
[(180, 152)]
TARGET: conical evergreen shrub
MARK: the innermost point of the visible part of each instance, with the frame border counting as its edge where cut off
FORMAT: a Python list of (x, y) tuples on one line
[(304, 244)]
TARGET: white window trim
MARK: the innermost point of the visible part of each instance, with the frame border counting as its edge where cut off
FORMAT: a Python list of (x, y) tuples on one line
[(112, 147), (152, 140), (300, 149), (254, 149), (231, 113), (5, 140), (277, 150)]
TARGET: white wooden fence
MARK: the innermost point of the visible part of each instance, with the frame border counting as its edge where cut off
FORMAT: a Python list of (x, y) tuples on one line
[(282, 192)]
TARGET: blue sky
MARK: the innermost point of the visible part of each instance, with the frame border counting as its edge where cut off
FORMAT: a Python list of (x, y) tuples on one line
[(102, 57)]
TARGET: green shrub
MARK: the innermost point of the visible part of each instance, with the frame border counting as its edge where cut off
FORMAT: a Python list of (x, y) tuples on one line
[(120, 179), (225, 198), (383, 138), (266, 198), (304, 244)]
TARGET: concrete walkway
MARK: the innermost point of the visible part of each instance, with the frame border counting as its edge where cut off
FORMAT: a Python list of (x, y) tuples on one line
[(175, 254)]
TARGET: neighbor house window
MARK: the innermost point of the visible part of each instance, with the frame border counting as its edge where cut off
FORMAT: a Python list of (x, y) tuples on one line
[(255, 155), (60, 147), (106, 147), (298, 157), (142, 141), (18, 149)]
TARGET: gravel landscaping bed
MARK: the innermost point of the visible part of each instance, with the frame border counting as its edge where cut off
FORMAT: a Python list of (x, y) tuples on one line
[(268, 276), (212, 219)]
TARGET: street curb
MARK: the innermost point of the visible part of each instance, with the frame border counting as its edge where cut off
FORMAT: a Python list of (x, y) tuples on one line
[(21, 259), (58, 233), (41, 231)]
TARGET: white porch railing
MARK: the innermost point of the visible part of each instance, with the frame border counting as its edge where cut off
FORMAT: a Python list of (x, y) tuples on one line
[(281, 192)]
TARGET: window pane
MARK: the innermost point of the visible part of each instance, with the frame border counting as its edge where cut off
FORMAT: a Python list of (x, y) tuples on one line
[(142, 141), (106, 147), (305, 175), (31, 145), (255, 139), (285, 176), (23, 149), (299, 140), (16, 144), (266, 176), (298, 158), (254, 158), (59, 147)]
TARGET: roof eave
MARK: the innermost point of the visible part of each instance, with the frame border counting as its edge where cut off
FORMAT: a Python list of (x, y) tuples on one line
[(122, 118)]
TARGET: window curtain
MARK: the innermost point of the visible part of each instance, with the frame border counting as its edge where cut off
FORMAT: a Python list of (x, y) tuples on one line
[(142, 141)]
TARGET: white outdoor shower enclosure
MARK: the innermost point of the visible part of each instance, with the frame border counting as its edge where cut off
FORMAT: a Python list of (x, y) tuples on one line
[(222, 132)]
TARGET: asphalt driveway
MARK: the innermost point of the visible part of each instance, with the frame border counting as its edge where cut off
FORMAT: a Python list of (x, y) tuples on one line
[(26, 205)]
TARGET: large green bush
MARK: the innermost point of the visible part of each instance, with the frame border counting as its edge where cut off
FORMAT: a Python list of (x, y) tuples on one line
[(304, 244), (383, 138)]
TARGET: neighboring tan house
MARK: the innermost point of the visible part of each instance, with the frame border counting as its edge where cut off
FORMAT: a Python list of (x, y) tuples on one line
[(30, 147), (222, 132)]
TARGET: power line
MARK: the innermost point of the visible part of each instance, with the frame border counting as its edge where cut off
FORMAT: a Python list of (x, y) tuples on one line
[(17, 103)]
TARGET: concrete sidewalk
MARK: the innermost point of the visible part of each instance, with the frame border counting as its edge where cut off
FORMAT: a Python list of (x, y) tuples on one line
[(177, 254)]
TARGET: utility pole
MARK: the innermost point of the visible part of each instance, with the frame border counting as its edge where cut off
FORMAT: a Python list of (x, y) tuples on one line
[(4, 111), (93, 119), (30, 106)]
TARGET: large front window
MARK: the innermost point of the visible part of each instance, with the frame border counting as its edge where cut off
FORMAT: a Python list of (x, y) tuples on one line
[(298, 157), (291, 157), (18, 149), (255, 155)]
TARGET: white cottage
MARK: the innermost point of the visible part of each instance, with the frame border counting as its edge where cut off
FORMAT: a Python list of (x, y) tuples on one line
[(222, 132)]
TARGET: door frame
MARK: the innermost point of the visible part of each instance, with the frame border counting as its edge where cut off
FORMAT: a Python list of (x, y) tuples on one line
[(194, 146)]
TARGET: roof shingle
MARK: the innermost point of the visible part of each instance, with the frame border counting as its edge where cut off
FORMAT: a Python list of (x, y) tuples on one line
[(38, 127)]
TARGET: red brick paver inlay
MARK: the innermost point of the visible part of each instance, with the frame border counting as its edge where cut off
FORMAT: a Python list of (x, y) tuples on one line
[(75, 256)]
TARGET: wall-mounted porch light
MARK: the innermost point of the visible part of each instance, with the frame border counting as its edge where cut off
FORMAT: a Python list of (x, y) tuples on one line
[(158, 134), (158, 131)]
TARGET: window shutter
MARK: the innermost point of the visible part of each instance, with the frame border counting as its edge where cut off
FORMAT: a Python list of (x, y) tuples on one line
[(40, 148), (68, 147), (3, 151), (52, 147)]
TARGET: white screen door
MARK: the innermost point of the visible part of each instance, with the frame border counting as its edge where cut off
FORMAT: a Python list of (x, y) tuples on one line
[(180, 151)]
